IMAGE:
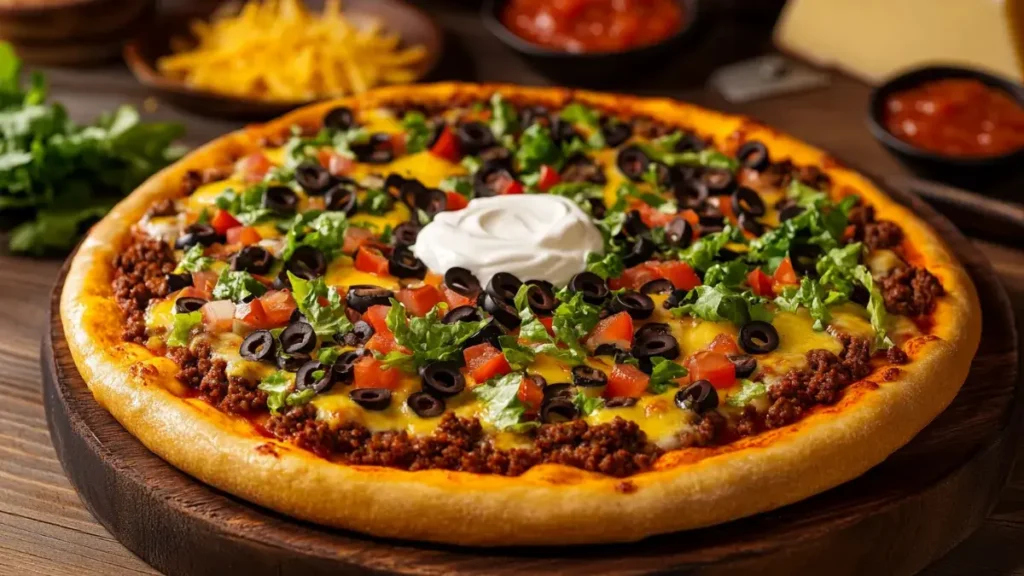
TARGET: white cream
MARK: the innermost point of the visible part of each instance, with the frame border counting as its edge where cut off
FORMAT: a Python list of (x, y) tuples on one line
[(534, 236)]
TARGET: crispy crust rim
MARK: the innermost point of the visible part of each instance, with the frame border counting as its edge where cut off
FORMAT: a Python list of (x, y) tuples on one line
[(550, 504)]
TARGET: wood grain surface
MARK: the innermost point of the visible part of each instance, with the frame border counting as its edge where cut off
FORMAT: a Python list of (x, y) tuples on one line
[(44, 529)]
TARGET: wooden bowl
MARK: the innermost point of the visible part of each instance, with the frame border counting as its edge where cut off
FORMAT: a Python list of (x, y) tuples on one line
[(141, 54), (74, 32)]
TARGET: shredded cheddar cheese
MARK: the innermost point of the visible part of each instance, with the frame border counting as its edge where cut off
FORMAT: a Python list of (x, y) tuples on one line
[(277, 50)]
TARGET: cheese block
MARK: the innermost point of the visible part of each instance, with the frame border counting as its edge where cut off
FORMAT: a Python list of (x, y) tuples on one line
[(874, 39)]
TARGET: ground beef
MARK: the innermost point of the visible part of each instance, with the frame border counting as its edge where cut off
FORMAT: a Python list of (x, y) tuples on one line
[(882, 234), (243, 396), (860, 216), (813, 176), (910, 291), (162, 208), (192, 364), (749, 422), (140, 275), (646, 127), (299, 425), (214, 384), (617, 448), (896, 356), (783, 411), (195, 178), (583, 169), (706, 432)]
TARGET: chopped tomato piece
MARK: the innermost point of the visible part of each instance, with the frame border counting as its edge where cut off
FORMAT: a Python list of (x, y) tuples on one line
[(243, 235), (626, 381), (254, 167), (454, 299), (635, 277), (849, 233), (680, 274), (690, 216), (531, 394), (506, 185), (760, 282), (223, 221), (485, 362), (547, 322), (368, 372), (785, 274), (725, 344), (616, 329), (370, 259), (398, 142), (381, 343), (548, 178), (713, 367), (279, 306), (376, 316), (356, 236), (652, 216), (447, 146), (219, 315), (456, 201), (335, 163), (252, 314), (204, 281), (419, 301)]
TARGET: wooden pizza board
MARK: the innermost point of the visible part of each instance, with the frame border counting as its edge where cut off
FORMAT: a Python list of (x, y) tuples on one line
[(895, 519)]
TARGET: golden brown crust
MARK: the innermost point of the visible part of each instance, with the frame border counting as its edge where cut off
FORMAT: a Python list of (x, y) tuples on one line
[(549, 504)]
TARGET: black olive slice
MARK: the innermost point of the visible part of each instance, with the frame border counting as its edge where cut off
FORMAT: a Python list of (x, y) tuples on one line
[(690, 192), (805, 258), (418, 197), (259, 345), (360, 334), (711, 224), (443, 379), (592, 286), (461, 314), (700, 397), (747, 201), (297, 316), (609, 349), (307, 263), (375, 399), (753, 155), (790, 212), (313, 178), (541, 299), (405, 234), (177, 282), (588, 376), (581, 168), (463, 282), (679, 232), (659, 286), (620, 402), (641, 251), (750, 224), (489, 334), (361, 296), (252, 259), (675, 299), (860, 295), (562, 131), (505, 314), (187, 305), (597, 208), (306, 378), (291, 362), (758, 337), (657, 344), (719, 181), (665, 176), (425, 405), (632, 162), (342, 197), (555, 410), (633, 224), (559, 391), (534, 115), (197, 234), (474, 137), (339, 118), (638, 306), (690, 143), (615, 132), (745, 364), (650, 329), (342, 370), (298, 338), (498, 154), (504, 287), (404, 264), (377, 150), (280, 200)]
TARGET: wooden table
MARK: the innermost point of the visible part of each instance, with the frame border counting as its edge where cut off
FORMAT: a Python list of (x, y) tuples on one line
[(44, 529)]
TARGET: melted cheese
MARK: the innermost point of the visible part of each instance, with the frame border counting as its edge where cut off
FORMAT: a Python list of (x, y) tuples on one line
[(424, 166)]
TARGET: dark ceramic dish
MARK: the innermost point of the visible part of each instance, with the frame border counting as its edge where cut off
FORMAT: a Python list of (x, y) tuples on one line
[(972, 173), (141, 54), (593, 69)]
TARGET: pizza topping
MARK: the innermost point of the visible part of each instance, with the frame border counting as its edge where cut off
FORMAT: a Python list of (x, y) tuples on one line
[(258, 346), (744, 364), (371, 398), (759, 337), (700, 397), (910, 291), (443, 379)]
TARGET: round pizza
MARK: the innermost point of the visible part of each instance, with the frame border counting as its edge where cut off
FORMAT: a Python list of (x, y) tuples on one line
[(495, 315)]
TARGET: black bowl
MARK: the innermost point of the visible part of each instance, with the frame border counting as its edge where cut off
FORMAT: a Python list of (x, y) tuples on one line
[(968, 172), (593, 69)]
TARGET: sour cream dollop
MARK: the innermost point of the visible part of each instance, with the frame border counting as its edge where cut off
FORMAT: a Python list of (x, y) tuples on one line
[(534, 236)]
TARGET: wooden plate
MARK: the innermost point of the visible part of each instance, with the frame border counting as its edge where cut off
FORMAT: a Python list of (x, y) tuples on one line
[(141, 54), (895, 519)]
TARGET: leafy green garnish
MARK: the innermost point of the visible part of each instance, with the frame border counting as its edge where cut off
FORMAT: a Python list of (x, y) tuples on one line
[(586, 405), (701, 254), (536, 148), (630, 190), (663, 150), (194, 261), (471, 164), (720, 303), (732, 273), (573, 320), (417, 131), (606, 266), (500, 397), (876, 307), (426, 337), (182, 329), (504, 119), (748, 392), (461, 185), (536, 336), (822, 225), (664, 373), (326, 319), (814, 296), (279, 392), (584, 115), (518, 356), (299, 149), (376, 202), (237, 285), (247, 206), (579, 192), (328, 356), (324, 231)]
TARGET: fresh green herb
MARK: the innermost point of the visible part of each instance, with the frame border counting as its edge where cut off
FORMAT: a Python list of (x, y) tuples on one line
[(732, 273), (246, 207), (572, 321), (606, 266), (57, 177), (720, 303), (583, 115), (324, 231), (664, 373), (814, 296), (537, 148), (326, 319), (426, 337), (518, 356), (504, 119), (663, 150), (279, 392), (417, 132), (821, 225), (376, 202), (539, 341), (876, 307), (461, 185), (471, 164), (204, 216), (299, 149), (236, 285), (586, 405), (630, 190), (500, 397), (748, 392), (579, 192), (182, 329), (194, 261), (701, 254), (328, 356)]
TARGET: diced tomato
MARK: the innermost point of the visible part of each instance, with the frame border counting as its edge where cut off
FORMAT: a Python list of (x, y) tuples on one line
[(335, 163), (398, 142), (690, 216), (456, 201), (653, 217), (485, 362), (254, 167), (447, 146), (547, 321), (680, 274), (223, 221), (531, 394), (219, 315), (368, 372), (760, 282), (635, 277), (252, 314), (626, 381), (616, 329), (725, 344), (204, 281), (370, 259), (785, 274), (454, 299), (504, 185), (356, 236), (243, 235), (382, 343), (713, 367), (725, 206), (548, 178), (419, 301), (376, 316), (279, 306), (849, 233)]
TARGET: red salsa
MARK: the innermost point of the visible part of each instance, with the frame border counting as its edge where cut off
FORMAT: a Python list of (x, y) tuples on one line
[(593, 25), (957, 117)]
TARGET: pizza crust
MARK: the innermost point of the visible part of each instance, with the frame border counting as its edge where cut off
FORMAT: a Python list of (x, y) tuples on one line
[(550, 504)]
